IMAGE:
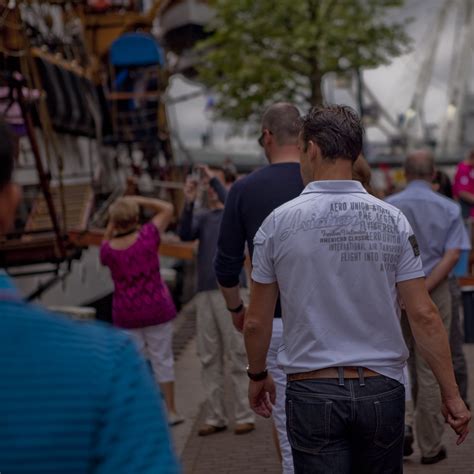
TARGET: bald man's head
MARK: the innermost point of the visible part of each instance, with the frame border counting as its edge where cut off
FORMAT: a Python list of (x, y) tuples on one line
[(282, 120), (419, 165)]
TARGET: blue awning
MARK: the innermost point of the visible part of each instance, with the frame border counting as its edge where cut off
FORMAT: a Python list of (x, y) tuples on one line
[(136, 49)]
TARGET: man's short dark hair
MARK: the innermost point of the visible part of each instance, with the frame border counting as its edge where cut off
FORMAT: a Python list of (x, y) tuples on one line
[(6, 154), (282, 120), (336, 129)]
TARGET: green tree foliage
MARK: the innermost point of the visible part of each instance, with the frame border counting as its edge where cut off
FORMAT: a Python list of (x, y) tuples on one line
[(260, 51)]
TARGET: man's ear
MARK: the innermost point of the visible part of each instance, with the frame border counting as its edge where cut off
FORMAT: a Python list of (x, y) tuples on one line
[(314, 152), (10, 197)]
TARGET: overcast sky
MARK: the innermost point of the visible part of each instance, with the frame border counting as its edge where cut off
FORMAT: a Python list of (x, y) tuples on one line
[(393, 85)]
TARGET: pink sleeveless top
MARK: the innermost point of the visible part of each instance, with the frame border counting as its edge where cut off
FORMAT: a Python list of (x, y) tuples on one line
[(141, 298)]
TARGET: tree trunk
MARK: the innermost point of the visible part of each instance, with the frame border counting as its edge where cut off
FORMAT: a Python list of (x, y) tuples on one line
[(316, 89)]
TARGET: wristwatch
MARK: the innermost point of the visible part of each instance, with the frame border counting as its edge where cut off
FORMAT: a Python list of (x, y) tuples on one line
[(257, 377), (238, 309)]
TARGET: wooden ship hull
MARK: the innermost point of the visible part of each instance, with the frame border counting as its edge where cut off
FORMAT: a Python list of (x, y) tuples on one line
[(81, 112)]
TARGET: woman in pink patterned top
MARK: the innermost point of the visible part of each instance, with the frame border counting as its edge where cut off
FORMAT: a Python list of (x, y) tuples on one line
[(142, 304), (463, 188)]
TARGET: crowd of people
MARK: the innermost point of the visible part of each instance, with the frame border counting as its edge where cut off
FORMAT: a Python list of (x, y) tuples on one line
[(345, 288)]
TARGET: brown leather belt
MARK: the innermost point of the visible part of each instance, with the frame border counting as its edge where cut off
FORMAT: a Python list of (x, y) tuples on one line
[(332, 373)]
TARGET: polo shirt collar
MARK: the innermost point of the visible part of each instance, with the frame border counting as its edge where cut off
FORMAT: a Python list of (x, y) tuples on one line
[(334, 186)]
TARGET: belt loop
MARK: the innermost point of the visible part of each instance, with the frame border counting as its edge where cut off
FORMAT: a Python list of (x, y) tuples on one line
[(340, 371), (361, 376)]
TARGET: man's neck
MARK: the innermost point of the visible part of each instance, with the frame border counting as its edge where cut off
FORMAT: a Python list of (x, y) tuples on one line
[(285, 154), (426, 180), (337, 170)]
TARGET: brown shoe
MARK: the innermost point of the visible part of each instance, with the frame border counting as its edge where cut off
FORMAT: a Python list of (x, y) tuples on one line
[(244, 428), (207, 430)]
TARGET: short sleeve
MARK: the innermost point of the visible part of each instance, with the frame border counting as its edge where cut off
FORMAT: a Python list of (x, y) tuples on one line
[(409, 264), (151, 234), (458, 237), (262, 262)]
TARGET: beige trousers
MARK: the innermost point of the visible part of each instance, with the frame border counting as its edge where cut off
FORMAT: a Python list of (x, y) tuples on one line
[(217, 340), (429, 422)]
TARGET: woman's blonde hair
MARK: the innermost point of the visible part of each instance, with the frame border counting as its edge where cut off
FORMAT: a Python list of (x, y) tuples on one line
[(124, 213)]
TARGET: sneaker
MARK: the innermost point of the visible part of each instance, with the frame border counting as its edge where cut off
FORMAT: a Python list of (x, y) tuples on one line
[(408, 441), (174, 419), (436, 458), (244, 428)]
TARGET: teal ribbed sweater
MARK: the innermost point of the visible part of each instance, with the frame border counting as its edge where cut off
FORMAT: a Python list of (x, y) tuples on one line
[(75, 398)]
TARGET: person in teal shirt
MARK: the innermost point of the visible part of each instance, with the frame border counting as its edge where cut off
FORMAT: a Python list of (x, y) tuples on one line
[(75, 397)]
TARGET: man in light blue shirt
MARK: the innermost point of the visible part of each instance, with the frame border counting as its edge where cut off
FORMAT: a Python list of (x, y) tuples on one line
[(439, 229)]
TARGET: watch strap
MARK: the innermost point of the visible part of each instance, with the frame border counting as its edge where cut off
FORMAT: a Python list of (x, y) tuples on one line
[(238, 309), (257, 377)]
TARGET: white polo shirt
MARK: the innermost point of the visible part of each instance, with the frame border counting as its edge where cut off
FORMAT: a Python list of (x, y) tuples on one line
[(337, 254)]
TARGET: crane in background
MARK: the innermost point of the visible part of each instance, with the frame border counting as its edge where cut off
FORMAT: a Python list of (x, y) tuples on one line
[(461, 66)]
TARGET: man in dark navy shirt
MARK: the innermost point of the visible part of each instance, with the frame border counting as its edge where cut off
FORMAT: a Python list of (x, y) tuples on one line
[(248, 203)]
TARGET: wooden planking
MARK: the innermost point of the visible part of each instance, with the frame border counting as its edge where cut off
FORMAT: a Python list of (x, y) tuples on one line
[(168, 247), (78, 198)]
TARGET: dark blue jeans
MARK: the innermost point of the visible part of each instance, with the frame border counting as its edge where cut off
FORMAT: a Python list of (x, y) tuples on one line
[(353, 428)]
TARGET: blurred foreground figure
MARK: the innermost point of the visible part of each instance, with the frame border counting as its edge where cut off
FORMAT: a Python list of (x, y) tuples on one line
[(439, 229), (75, 397), (337, 255)]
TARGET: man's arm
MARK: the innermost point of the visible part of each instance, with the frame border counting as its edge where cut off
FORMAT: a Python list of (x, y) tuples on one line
[(215, 182), (230, 255), (219, 188), (442, 270), (432, 341), (186, 230), (257, 335)]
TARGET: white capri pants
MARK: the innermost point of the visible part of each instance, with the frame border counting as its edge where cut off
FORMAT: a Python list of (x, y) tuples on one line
[(156, 344)]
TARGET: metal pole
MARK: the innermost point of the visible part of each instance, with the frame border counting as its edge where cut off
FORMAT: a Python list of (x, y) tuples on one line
[(44, 181)]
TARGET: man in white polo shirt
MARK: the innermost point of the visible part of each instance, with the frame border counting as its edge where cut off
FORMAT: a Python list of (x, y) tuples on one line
[(339, 257)]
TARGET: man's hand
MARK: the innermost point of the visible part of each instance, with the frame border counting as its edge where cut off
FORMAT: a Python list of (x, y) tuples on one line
[(190, 190), (262, 395), (206, 173), (457, 416), (238, 319)]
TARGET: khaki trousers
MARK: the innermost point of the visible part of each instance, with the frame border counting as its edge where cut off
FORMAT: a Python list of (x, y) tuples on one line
[(217, 340), (429, 422)]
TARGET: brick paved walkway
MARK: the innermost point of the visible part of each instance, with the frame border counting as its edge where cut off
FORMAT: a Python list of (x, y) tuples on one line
[(254, 453)]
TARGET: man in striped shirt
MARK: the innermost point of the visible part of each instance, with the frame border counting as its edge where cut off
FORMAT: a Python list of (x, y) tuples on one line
[(74, 397)]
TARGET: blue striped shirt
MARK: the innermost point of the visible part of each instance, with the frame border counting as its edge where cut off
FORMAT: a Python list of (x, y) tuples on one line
[(75, 397), (435, 219)]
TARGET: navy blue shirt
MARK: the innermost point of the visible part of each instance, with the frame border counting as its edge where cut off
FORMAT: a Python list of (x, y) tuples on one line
[(249, 202), (202, 225)]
